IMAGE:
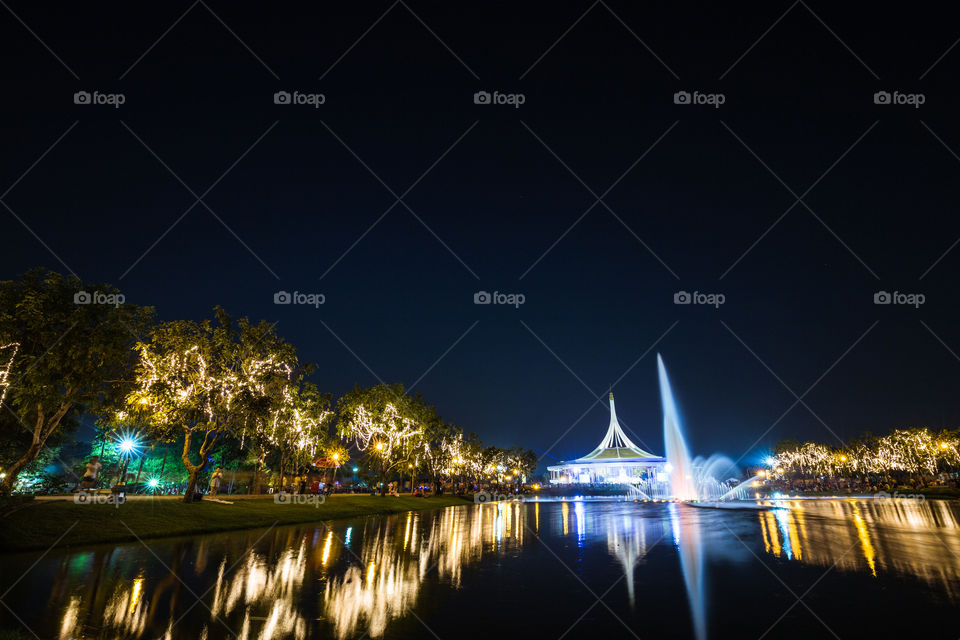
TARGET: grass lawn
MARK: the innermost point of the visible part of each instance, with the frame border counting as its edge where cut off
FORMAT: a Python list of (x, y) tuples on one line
[(38, 526)]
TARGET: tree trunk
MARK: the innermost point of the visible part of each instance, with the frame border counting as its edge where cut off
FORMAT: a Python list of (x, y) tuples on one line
[(209, 439), (255, 489), (191, 486), (14, 470), (41, 432)]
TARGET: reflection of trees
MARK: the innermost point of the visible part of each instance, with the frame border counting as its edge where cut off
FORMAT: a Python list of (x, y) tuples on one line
[(255, 582), (398, 554), (889, 536)]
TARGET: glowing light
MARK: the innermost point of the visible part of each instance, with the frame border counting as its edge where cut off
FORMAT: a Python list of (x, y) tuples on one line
[(326, 548), (153, 483), (379, 446), (336, 456), (355, 469)]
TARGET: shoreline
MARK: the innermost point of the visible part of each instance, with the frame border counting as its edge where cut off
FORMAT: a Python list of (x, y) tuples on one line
[(62, 523)]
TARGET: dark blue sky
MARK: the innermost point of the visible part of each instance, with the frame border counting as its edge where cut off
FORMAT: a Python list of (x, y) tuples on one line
[(499, 190)]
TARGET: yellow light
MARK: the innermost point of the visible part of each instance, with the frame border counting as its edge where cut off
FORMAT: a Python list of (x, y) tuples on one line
[(410, 466), (762, 473), (144, 401), (379, 446), (944, 445), (779, 469), (843, 458), (336, 456)]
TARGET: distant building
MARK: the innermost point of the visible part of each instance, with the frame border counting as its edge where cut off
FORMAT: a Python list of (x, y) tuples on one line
[(615, 461)]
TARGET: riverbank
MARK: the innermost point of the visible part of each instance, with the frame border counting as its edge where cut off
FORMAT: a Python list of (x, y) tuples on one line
[(40, 525)]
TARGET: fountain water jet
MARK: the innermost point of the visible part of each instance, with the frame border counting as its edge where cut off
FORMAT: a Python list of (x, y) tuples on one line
[(682, 481)]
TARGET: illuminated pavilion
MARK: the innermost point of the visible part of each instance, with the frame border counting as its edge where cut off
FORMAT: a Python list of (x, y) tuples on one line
[(615, 461)]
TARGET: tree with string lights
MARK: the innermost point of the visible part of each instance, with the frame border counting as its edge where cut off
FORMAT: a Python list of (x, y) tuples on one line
[(65, 352), (380, 420), (204, 380)]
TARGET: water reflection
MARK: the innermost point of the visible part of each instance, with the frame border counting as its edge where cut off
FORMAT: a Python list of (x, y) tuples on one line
[(362, 578), (904, 537)]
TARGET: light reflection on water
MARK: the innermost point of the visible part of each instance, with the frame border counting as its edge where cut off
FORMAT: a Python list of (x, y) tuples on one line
[(362, 577), (904, 537)]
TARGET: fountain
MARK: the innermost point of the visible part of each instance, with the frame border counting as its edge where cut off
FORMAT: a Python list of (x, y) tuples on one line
[(682, 484), (710, 482)]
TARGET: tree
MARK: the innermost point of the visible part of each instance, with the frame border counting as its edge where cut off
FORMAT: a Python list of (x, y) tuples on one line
[(380, 420), (300, 426), (67, 352), (205, 380)]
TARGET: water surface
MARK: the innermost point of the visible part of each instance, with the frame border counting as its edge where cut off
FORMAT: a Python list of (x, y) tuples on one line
[(573, 569)]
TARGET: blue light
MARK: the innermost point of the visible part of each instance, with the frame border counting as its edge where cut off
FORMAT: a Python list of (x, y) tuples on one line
[(355, 469)]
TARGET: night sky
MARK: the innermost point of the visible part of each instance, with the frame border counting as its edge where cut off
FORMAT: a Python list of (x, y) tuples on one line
[(495, 197)]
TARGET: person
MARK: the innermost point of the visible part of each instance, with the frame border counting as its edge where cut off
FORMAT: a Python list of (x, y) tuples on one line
[(215, 481), (90, 474)]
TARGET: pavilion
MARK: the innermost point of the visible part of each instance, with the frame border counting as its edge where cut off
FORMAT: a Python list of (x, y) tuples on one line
[(615, 461)]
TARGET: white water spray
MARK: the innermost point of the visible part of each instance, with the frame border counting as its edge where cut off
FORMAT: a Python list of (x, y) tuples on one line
[(682, 481)]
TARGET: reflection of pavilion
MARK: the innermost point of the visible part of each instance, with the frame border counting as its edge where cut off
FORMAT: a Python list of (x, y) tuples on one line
[(615, 461)]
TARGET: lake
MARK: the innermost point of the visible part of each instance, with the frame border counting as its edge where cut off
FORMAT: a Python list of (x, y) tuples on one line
[(536, 569)]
